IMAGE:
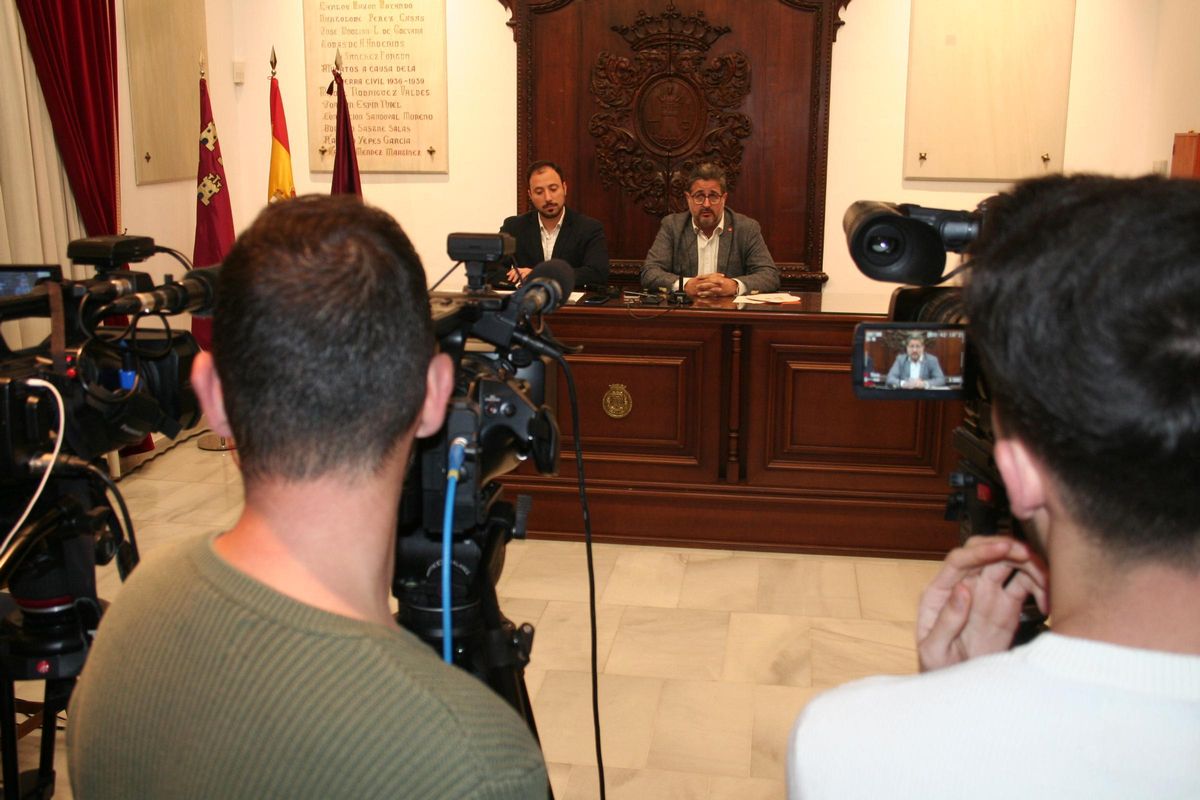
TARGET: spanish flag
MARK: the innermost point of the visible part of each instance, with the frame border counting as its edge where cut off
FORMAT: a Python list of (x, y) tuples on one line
[(279, 180)]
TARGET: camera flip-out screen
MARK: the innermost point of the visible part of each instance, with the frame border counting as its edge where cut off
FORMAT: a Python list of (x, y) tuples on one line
[(910, 361)]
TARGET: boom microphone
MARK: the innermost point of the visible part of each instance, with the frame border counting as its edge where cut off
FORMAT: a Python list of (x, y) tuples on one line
[(197, 293), (546, 288)]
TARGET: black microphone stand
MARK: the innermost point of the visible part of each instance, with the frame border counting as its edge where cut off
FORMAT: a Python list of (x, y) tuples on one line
[(679, 297)]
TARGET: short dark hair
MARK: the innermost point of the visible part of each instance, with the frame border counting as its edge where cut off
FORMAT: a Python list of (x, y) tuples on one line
[(1084, 303), (540, 165), (707, 171), (322, 337)]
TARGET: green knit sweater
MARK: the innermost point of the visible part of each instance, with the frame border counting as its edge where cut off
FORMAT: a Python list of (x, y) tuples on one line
[(204, 683)]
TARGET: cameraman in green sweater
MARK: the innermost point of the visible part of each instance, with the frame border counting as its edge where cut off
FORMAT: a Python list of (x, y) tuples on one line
[(264, 661)]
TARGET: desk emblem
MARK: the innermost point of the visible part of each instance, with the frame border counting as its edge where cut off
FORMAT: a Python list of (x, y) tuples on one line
[(617, 401)]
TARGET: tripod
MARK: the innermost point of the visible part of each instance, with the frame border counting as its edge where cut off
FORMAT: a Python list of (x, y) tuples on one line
[(46, 631), (486, 643)]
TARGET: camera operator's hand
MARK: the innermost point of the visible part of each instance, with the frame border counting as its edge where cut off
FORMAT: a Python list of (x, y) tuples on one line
[(973, 606)]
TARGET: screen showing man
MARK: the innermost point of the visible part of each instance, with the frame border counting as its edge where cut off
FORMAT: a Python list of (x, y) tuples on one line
[(914, 368)]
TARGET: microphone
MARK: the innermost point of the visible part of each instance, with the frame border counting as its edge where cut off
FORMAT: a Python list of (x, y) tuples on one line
[(197, 293), (546, 288)]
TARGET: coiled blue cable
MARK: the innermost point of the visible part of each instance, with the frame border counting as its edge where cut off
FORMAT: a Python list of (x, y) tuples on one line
[(458, 449)]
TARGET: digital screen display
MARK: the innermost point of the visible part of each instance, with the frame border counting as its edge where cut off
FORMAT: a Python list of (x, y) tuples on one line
[(910, 360)]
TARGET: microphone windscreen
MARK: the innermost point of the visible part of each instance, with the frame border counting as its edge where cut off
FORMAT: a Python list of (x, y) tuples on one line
[(556, 270)]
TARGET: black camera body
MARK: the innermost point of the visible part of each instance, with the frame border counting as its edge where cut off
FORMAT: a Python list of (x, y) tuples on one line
[(117, 385), (497, 415), (908, 244)]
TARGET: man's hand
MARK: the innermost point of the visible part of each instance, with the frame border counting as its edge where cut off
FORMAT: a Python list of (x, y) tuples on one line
[(712, 285), (517, 274), (974, 604), (912, 383)]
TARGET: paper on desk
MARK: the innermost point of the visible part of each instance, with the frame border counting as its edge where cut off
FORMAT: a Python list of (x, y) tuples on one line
[(773, 297)]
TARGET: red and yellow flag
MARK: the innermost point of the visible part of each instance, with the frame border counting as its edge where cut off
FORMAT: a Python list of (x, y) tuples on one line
[(279, 179)]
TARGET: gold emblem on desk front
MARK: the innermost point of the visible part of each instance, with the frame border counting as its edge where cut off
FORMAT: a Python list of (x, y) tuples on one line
[(617, 401)]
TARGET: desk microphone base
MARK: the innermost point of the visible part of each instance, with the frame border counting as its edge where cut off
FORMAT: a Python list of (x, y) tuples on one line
[(679, 298)]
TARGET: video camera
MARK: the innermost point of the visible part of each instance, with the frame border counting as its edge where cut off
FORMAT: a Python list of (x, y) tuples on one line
[(95, 384), (89, 388), (908, 244), (497, 419)]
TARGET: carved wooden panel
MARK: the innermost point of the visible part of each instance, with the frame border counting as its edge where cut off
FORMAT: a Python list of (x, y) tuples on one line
[(628, 95), (667, 107), (815, 432), (643, 398)]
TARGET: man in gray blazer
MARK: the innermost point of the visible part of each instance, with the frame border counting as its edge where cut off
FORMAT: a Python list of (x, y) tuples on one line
[(720, 253), (914, 368)]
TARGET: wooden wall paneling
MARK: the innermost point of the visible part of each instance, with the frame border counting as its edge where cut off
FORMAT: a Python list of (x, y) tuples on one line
[(629, 94), (648, 408), (761, 446)]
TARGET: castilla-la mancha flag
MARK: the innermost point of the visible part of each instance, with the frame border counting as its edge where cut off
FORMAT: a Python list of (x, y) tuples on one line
[(345, 157), (280, 185), (214, 215)]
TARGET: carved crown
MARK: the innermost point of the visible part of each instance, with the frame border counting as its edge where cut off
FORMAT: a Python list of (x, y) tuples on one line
[(670, 27)]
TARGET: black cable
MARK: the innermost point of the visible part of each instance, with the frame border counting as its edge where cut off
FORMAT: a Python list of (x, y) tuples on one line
[(178, 256), (126, 517), (440, 280), (591, 568)]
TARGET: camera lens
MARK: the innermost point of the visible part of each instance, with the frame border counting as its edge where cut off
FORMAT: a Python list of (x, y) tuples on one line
[(883, 245)]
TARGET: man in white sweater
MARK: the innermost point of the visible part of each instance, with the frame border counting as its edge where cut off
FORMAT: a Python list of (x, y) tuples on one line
[(1093, 285)]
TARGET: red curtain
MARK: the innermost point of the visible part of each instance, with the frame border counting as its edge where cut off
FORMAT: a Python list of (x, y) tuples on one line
[(74, 48)]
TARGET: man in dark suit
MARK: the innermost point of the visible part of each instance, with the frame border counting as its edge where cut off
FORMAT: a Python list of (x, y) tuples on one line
[(914, 368), (552, 230), (721, 253)]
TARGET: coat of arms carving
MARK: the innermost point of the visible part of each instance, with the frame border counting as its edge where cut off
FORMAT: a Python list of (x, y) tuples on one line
[(668, 107)]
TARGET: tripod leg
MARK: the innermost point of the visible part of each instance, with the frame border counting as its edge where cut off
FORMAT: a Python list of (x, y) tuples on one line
[(58, 693), (8, 740)]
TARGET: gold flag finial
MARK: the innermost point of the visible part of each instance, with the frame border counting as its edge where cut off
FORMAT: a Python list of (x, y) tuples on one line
[(274, 61), (337, 60)]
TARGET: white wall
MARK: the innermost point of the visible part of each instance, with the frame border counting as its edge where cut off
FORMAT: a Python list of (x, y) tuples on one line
[(1135, 66), (1134, 69), (475, 196)]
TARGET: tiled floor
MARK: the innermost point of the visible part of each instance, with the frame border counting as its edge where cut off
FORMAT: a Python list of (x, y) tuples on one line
[(706, 656)]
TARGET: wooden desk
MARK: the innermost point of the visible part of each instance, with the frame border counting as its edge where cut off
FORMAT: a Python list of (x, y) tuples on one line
[(737, 427)]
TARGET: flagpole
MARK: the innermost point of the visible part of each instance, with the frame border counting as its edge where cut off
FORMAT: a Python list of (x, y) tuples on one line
[(214, 227)]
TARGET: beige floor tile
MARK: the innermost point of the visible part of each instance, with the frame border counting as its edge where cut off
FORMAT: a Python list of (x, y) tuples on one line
[(775, 711), (670, 643), (563, 636), (704, 727), (533, 681), (645, 576), (768, 649), (557, 571), (720, 583), (722, 788), (640, 784), (890, 588), (808, 587), (563, 712), (845, 650), (514, 551), (522, 609), (559, 774)]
